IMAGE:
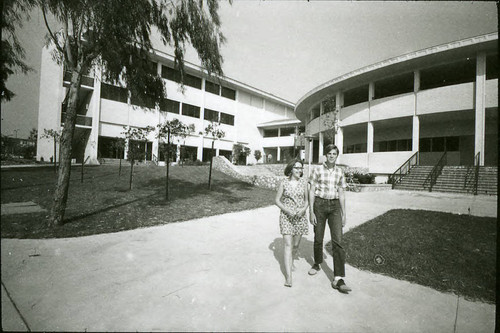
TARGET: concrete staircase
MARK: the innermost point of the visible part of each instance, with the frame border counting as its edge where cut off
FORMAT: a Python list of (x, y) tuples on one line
[(458, 179)]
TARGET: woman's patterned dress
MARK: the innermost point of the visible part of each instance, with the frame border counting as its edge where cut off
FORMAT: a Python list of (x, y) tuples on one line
[(293, 198)]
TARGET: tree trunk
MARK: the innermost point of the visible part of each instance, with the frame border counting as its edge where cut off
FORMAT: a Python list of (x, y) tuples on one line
[(64, 172), (120, 169), (168, 164), (83, 162), (210, 171), (55, 151), (131, 173)]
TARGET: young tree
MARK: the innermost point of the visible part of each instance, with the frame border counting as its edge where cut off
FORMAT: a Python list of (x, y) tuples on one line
[(116, 36), (240, 152), (56, 136), (257, 154), (11, 53), (135, 152), (170, 130), (118, 146), (215, 133)]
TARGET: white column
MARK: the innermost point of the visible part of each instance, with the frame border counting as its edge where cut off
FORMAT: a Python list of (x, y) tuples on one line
[(321, 143), (415, 134), (369, 138), (339, 140), (480, 96)]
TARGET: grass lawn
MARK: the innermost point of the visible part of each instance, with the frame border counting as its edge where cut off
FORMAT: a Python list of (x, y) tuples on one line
[(447, 252), (103, 203)]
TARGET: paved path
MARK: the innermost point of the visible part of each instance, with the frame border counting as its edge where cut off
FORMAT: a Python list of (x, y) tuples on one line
[(224, 273)]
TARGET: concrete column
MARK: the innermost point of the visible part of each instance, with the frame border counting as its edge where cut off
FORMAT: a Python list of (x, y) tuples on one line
[(369, 139), (278, 153), (416, 81), (321, 144), (339, 140), (480, 95), (415, 139), (371, 91)]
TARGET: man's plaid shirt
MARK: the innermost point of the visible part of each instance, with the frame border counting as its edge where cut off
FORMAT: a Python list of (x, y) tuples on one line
[(327, 181)]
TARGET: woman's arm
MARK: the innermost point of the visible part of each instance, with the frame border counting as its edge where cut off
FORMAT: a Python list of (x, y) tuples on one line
[(278, 202)]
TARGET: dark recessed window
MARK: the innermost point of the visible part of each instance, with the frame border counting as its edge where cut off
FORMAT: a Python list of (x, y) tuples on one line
[(492, 67), (287, 131), (425, 144), (212, 87), (228, 93), (356, 96), (168, 105), (192, 81), (170, 74), (438, 144), (270, 133), (394, 86), (448, 74), (191, 110), (227, 119), (452, 143), (211, 115), (143, 101), (114, 93)]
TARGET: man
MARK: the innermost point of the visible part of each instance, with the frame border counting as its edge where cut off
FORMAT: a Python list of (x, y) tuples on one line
[(327, 203)]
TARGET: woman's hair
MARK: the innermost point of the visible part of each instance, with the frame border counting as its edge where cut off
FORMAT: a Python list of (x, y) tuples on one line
[(289, 167), (329, 147)]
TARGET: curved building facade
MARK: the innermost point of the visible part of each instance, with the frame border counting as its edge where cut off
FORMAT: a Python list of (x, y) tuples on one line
[(444, 98)]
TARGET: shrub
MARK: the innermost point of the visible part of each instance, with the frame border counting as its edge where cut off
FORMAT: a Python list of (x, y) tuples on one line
[(364, 178)]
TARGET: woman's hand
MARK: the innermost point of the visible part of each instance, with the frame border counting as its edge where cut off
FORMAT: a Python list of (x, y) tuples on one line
[(301, 212)]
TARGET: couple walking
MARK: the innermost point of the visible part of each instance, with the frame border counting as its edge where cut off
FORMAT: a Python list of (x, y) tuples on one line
[(326, 202)]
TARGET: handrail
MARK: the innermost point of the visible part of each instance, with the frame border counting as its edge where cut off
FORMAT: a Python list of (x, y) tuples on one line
[(476, 175), (155, 159), (436, 171), (406, 166), (86, 159)]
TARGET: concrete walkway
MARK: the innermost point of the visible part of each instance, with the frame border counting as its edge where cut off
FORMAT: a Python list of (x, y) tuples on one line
[(224, 273)]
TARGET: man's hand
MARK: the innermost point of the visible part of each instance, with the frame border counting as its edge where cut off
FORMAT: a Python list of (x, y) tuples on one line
[(343, 219), (312, 218)]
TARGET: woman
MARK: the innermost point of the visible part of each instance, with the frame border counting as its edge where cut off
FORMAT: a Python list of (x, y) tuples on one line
[(292, 200)]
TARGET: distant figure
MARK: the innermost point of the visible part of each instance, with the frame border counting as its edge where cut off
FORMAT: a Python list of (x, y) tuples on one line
[(327, 203), (269, 158), (291, 198)]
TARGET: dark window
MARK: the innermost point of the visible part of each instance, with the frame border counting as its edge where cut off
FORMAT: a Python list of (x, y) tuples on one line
[(404, 145), (270, 133), (394, 86), (492, 67), (145, 101), (191, 110), (207, 154), (381, 146), (438, 144), (453, 143), (138, 148), (189, 153), (211, 115), (228, 93), (449, 74), (114, 93), (287, 131), (227, 119), (170, 74), (315, 112), (302, 129), (392, 145), (425, 144), (192, 81), (212, 87), (226, 153), (106, 148), (168, 105), (356, 96)]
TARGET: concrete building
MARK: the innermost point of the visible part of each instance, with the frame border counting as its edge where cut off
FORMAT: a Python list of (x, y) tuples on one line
[(444, 98), (246, 115)]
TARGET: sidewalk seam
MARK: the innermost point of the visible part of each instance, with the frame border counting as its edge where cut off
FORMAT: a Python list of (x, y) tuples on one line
[(15, 307)]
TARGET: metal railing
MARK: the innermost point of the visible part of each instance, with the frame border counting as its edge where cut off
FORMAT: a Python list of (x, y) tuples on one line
[(404, 169), (435, 172), (86, 79), (476, 171)]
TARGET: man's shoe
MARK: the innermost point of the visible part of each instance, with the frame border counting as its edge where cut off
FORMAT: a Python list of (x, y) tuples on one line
[(341, 286), (314, 269)]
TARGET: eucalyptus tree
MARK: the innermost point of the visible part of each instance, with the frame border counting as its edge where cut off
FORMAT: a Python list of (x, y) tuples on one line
[(116, 36)]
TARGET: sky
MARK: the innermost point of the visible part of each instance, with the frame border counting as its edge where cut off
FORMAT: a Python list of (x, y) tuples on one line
[(287, 48)]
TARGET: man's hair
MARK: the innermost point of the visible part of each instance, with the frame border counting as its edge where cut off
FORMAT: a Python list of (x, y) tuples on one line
[(329, 147)]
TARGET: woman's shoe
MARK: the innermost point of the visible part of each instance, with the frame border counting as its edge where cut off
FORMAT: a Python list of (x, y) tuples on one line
[(288, 283)]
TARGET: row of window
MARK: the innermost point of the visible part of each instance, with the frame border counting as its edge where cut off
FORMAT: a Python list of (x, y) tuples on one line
[(195, 82), (458, 72), (217, 116), (285, 131), (437, 144)]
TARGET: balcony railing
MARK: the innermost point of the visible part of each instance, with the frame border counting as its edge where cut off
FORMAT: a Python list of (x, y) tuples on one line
[(80, 119), (86, 80)]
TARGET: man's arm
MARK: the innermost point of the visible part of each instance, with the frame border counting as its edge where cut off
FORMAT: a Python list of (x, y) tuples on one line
[(342, 205), (312, 217)]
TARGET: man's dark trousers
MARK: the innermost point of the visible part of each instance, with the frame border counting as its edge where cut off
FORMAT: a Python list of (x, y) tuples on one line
[(329, 210)]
